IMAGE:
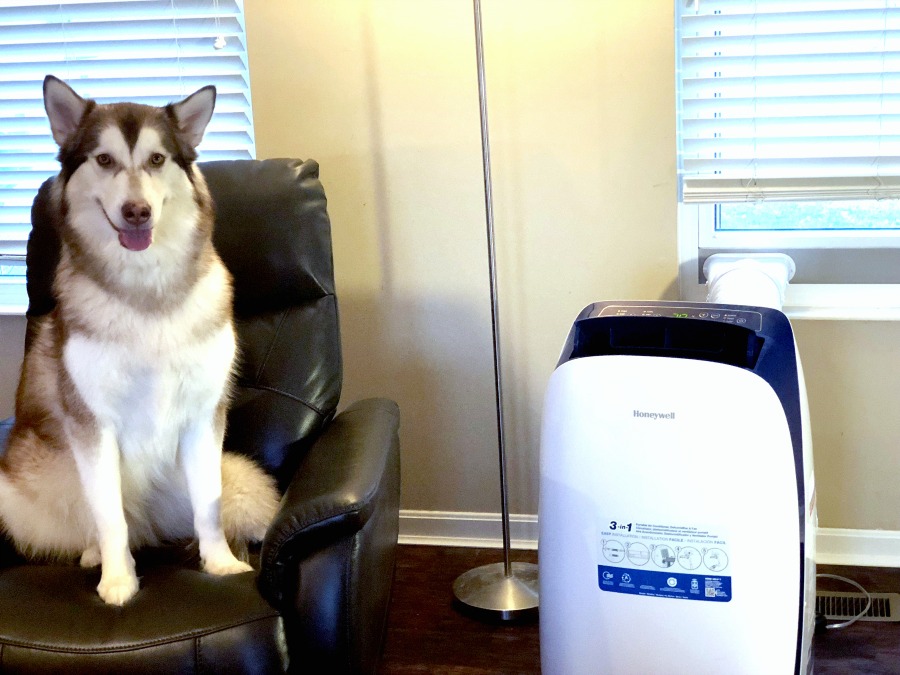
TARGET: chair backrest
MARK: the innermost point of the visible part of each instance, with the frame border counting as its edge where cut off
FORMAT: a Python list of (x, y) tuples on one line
[(274, 235)]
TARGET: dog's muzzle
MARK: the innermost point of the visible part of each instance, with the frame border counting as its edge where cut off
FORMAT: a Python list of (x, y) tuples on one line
[(137, 233)]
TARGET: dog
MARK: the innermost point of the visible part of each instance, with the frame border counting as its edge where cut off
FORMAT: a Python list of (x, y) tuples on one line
[(121, 404)]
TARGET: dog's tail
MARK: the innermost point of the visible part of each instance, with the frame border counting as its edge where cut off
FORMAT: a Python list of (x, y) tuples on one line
[(249, 501)]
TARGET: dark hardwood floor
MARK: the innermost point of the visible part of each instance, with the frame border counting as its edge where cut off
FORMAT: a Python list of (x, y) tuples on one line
[(866, 647), (427, 635)]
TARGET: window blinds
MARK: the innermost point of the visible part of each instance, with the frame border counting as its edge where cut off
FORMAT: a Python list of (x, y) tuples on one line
[(150, 51), (788, 99)]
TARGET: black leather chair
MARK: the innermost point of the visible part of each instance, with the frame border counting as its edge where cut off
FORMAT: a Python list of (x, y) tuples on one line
[(319, 602)]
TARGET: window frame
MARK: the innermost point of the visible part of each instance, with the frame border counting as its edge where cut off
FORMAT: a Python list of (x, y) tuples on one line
[(807, 297), (842, 274)]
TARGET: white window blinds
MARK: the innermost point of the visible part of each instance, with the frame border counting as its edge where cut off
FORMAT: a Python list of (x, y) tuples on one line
[(788, 99), (150, 51)]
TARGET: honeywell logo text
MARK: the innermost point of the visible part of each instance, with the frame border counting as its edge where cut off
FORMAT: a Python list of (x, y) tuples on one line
[(654, 415)]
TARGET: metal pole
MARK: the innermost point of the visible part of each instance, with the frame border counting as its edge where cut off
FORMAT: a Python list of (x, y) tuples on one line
[(510, 590), (492, 268)]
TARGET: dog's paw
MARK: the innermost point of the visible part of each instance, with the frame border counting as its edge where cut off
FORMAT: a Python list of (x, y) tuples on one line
[(117, 590), (229, 565), (90, 558)]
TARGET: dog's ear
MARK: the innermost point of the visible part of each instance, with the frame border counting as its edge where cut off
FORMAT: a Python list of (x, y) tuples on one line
[(194, 113), (64, 108)]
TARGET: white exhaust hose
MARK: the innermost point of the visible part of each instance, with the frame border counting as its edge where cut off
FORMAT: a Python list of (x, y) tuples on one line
[(757, 279)]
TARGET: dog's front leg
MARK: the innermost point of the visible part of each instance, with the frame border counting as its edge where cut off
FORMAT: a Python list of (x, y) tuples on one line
[(201, 459), (98, 469)]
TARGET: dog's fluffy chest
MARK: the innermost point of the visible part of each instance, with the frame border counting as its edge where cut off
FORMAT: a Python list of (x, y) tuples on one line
[(143, 373), (144, 391)]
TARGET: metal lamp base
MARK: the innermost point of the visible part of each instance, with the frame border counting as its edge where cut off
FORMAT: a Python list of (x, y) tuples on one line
[(489, 591)]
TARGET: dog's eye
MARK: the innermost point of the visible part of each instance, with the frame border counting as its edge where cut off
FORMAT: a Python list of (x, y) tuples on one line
[(103, 159), (157, 159)]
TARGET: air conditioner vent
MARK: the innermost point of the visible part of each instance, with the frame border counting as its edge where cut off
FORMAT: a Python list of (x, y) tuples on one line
[(842, 606)]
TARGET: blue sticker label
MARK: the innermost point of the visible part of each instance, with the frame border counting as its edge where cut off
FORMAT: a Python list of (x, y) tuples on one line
[(665, 560), (664, 584)]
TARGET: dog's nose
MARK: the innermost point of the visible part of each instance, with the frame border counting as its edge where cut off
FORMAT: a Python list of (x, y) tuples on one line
[(136, 213)]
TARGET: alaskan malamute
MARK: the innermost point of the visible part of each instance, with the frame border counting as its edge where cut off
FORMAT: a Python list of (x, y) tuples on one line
[(120, 410)]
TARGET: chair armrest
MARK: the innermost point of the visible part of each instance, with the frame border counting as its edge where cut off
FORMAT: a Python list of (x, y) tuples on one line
[(334, 490)]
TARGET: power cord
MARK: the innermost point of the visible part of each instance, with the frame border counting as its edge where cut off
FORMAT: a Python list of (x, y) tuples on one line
[(822, 626)]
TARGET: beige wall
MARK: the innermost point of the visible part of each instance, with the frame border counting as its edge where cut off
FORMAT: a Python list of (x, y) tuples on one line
[(581, 101), (851, 370), (383, 93), (12, 339)]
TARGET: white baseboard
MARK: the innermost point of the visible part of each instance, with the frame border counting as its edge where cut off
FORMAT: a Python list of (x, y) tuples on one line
[(458, 528), (867, 548)]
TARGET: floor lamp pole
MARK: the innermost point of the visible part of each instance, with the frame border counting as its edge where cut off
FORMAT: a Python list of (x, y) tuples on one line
[(508, 590)]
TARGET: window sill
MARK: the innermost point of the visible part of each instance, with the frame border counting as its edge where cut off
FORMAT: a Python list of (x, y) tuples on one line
[(833, 282), (13, 297), (843, 302), (831, 302)]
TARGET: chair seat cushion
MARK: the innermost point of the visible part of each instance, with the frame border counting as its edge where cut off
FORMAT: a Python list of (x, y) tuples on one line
[(181, 621)]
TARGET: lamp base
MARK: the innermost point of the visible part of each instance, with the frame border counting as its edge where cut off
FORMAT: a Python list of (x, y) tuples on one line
[(488, 591)]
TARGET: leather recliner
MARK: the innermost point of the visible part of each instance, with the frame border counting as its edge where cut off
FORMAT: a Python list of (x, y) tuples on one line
[(319, 602)]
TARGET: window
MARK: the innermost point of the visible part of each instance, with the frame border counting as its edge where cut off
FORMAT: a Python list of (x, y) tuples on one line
[(149, 51), (789, 140)]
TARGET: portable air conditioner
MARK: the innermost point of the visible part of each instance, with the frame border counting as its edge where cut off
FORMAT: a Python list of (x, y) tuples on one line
[(677, 500)]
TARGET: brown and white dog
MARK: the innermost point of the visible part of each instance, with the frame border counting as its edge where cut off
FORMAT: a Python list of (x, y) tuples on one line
[(120, 410)]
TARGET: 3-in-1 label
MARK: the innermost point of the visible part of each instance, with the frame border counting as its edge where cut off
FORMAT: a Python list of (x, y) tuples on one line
[(664, 561)]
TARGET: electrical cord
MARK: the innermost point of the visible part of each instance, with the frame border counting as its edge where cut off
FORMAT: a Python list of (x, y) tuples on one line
[(849, 622)]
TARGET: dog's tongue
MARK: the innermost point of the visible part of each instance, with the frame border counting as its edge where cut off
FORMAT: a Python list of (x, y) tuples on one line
[(135, 240)]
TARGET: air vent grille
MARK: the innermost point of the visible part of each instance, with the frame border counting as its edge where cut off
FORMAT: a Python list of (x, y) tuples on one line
[(885, 606)]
